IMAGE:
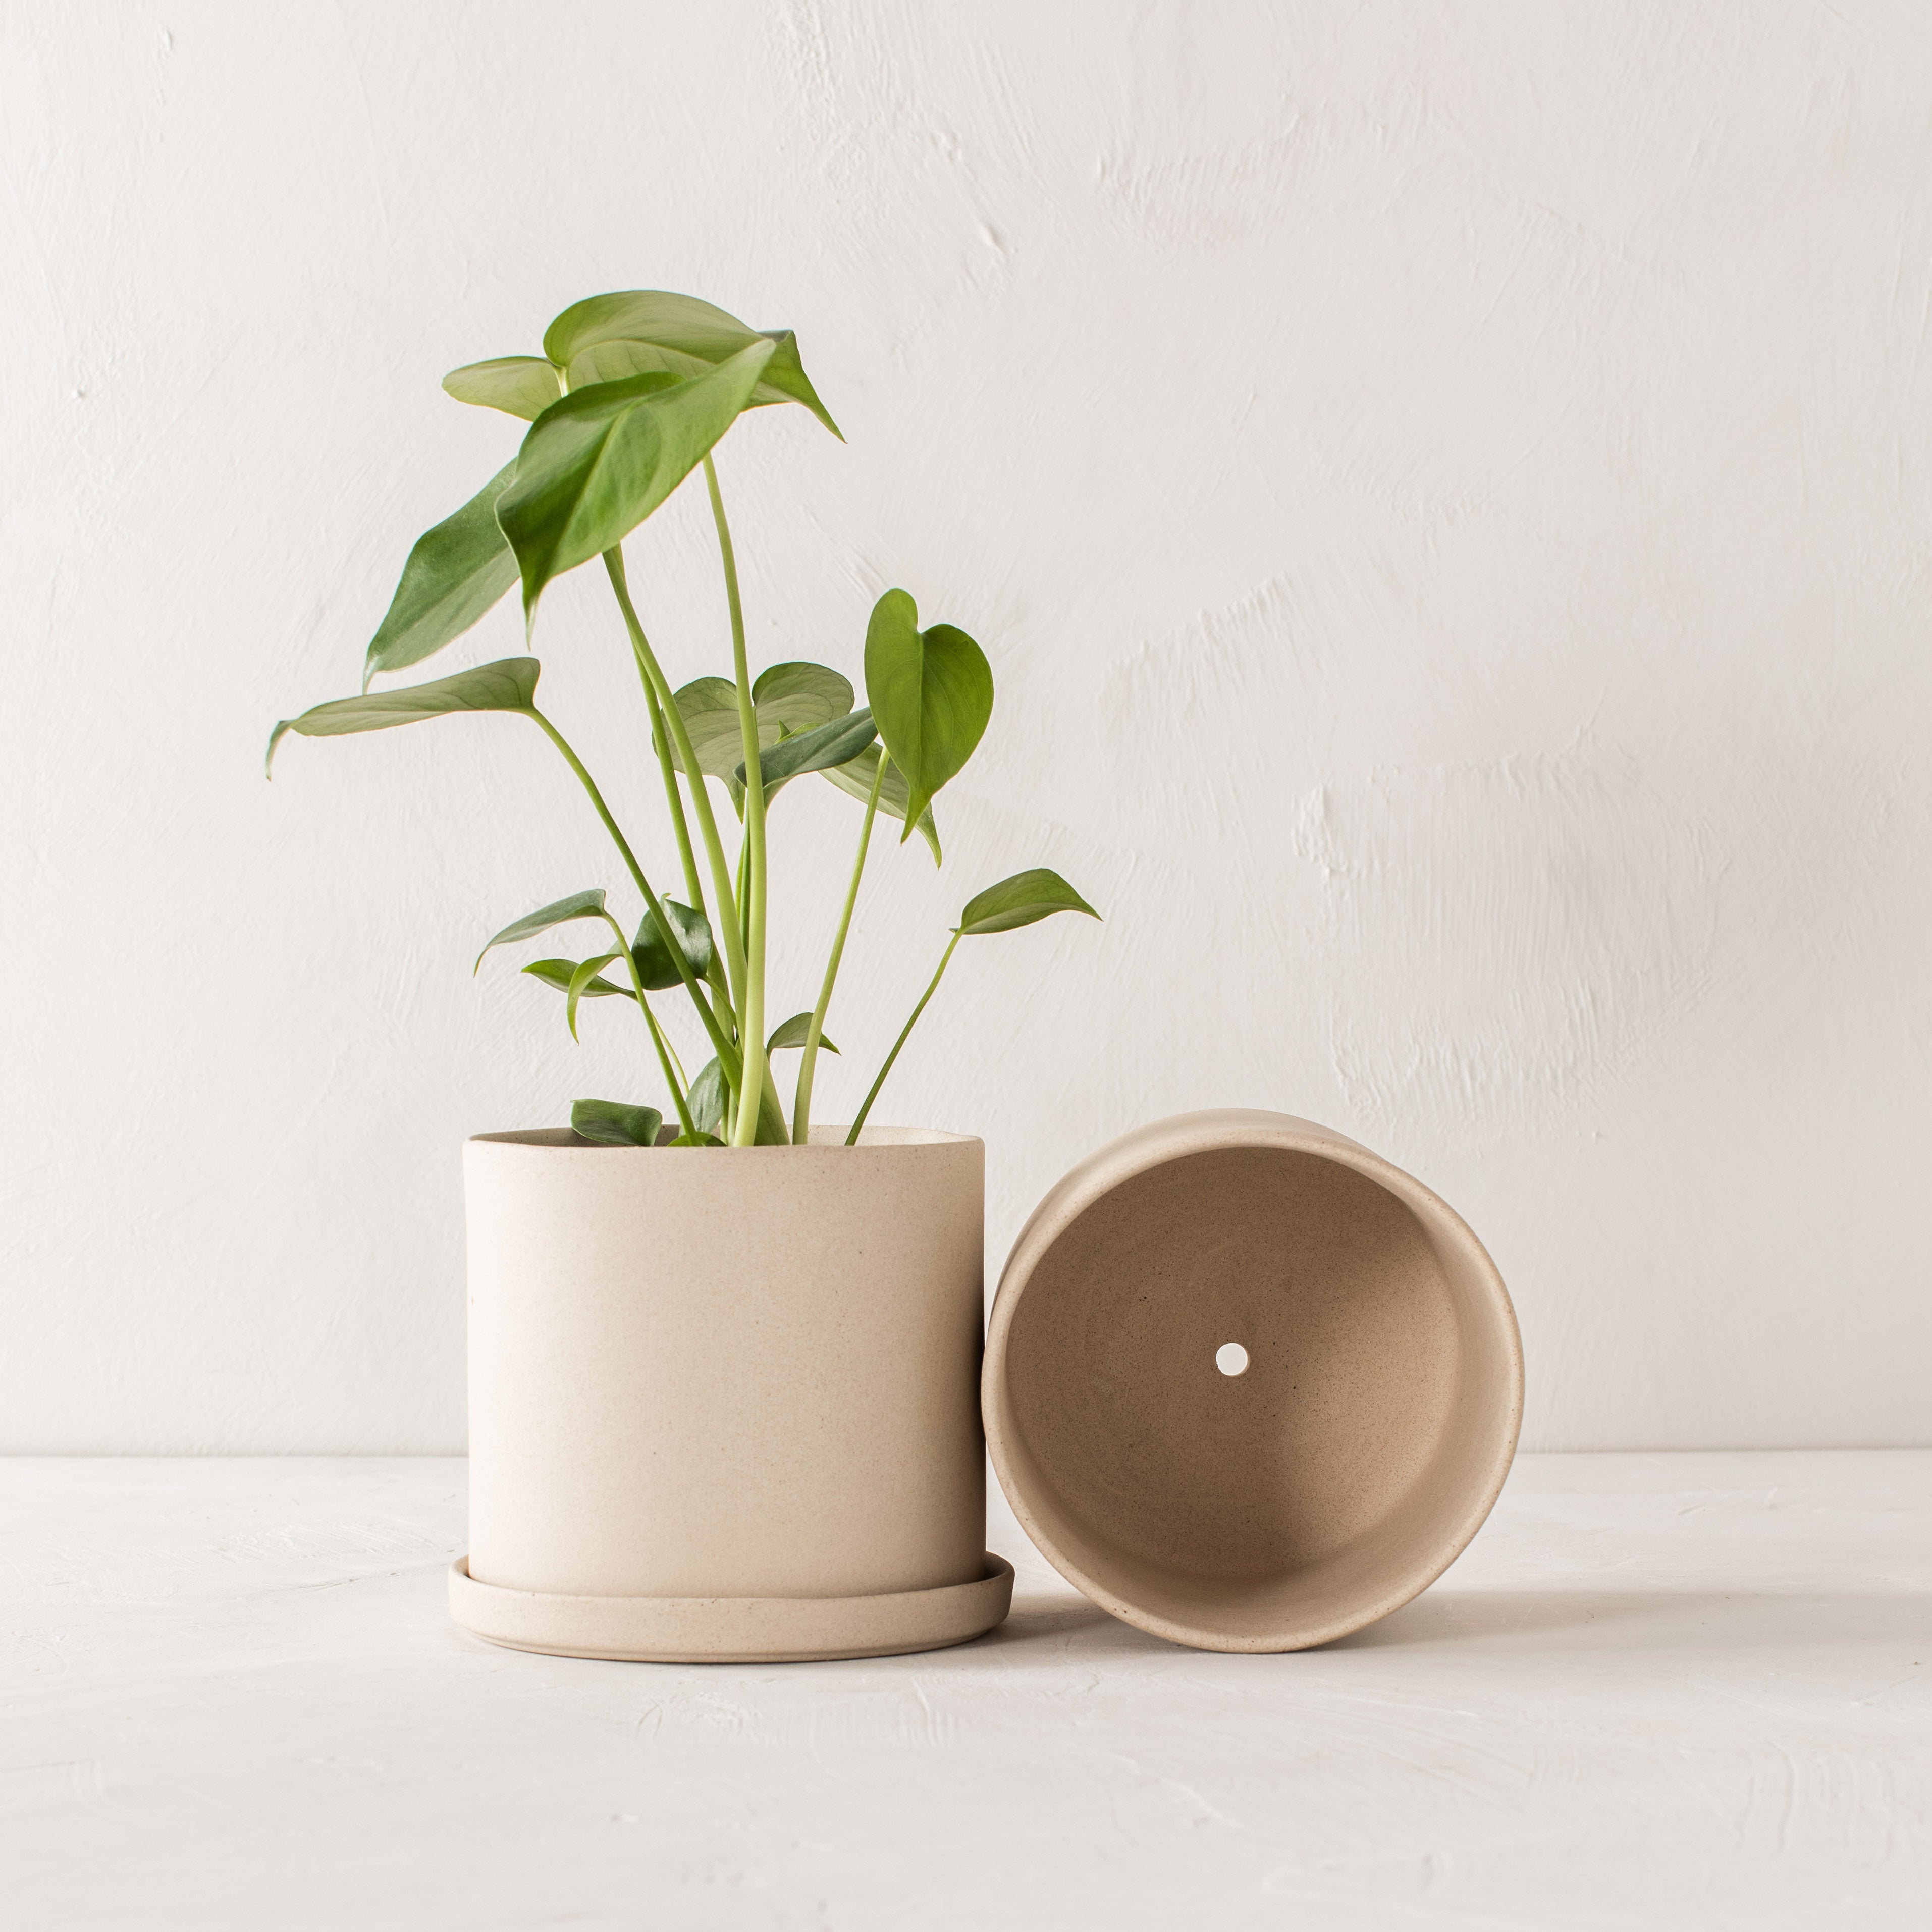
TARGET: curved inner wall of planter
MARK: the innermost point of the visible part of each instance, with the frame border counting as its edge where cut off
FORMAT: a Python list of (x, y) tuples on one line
[(1361, 1428)]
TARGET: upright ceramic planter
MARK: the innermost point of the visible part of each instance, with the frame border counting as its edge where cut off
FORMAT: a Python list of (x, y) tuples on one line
[(1357, 1445), (724, 1403)]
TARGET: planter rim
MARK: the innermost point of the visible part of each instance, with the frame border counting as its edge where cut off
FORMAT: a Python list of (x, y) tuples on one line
[(871, 1140), (1153, 1145)]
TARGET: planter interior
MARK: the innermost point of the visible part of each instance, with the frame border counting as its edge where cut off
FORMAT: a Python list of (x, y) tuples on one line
[(1328, 1481)]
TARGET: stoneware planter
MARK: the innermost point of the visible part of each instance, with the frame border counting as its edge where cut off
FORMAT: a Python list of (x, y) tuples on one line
[(1319, 1487), (724, 1405)]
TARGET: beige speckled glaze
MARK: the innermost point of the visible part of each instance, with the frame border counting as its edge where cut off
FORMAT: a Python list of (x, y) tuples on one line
[(722, 1404), (1328, 1483)]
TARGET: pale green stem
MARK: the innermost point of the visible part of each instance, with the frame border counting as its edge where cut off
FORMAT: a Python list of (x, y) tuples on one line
[(657, 1040), (640, 649), (660, 738), (727, 1055), (700, 796), (801, 1106), (852, 1139), (751, 1005), (676, 1059)]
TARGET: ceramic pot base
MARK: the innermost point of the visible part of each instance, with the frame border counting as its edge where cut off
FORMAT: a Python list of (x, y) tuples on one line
[(732, 1630)]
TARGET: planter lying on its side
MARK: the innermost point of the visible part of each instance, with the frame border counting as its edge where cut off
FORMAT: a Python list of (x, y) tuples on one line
[(723, 1403), (1317, 1487)]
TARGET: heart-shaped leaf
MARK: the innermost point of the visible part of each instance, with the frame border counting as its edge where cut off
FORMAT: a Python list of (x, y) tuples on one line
[(519, 385), (931, 692), (1019, 901), (855, 779), (796, 698), (612, 1123), (695, 1140), (635, 330), (579, 905), (793, 1033), (655, 966), (508, 685), (559, 973), (837, 743), (595, 465), (454, 574)]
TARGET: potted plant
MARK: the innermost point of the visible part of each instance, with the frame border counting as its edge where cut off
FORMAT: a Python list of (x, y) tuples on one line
[(723, 1359)]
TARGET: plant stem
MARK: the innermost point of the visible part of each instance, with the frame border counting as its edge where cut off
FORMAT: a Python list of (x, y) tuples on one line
[(666, 1058), (660, 738), (801, 1106), (700, 796), (852, 1139), (657, 1040), (751, 1003), (727, 1055)]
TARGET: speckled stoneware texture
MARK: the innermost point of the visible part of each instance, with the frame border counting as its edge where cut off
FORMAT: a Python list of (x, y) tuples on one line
[(1316, 1488), (724, 1404)]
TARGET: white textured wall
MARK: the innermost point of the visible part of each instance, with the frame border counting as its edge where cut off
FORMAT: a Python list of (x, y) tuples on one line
[(1448, 493)]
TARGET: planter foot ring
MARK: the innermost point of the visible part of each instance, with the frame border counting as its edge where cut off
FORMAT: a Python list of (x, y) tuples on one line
[(732, 1630)]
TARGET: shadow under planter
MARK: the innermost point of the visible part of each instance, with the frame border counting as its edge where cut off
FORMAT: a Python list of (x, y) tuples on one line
[(1247, 1385), (723, 1403)]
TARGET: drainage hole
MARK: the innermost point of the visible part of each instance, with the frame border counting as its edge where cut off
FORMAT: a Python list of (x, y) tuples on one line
[(1231, 1358)]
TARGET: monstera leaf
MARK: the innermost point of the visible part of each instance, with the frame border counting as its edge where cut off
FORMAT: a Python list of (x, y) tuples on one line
[(830, 745), (855, 780), (596, 464), (931, 692), (615, 1123), (509, 684), (455, 574), (1020, 901), (636, 331), (519, 385), (788, 699)]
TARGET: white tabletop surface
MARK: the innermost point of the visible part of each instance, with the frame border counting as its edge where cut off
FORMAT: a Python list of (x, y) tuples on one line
[(1664, 1691)]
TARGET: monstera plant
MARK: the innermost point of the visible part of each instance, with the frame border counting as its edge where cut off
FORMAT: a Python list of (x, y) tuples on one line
[(632, 393)]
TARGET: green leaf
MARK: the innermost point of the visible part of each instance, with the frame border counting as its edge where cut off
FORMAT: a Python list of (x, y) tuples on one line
[(519, 385), (596, 464), (800, 693), (837, 743), (633, 330), (558, 973), (579, 905), (584, 975), (1019, 901), (587, 904), (508, 685), (455, 574), (695, 1140), (856, 780), (795, 697), (793, 1033), (611, 1124), (705, 1098), (655, 966), (771, 1130), (931, 692)]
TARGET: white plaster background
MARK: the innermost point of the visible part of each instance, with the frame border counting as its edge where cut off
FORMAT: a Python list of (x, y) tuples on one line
[(1448, 493)]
